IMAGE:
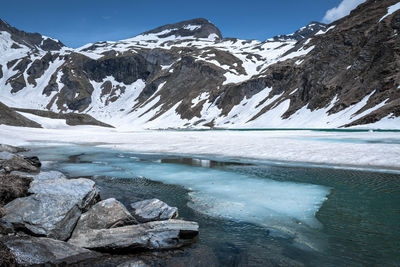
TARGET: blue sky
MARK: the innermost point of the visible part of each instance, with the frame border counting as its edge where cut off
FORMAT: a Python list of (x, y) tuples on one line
[(76, 23)]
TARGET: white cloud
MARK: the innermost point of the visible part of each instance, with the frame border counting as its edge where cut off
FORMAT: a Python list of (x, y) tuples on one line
[(343, 9)]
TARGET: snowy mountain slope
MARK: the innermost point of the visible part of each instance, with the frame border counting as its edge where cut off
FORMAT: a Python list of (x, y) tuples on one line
[(187, 75)]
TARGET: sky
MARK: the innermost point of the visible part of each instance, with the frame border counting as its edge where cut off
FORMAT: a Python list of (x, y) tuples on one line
[(77, 23)]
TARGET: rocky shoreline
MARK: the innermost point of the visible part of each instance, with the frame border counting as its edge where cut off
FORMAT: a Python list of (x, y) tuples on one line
[(48, 219)]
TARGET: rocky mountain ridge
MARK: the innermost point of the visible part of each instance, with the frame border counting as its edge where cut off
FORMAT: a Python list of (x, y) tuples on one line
[(187, 75)]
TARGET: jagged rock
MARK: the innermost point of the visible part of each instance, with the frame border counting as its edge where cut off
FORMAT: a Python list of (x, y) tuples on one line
[(153, 210), (109, 213), (52, 216), (23, 164), (82, 190), (32, 40), (153, 235), (33, 250)]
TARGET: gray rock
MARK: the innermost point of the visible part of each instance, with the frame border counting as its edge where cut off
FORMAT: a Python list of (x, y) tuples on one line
[(23, 164), (153, 235), (82, 190), (109, 213), (133, 263), (153, 210), (34, 250), (52, 216), (50, 175)]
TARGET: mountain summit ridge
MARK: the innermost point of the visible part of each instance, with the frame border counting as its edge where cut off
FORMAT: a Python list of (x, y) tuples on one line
[(197, 28)]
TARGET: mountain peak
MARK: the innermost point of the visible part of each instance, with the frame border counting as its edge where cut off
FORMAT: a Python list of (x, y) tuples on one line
[(304, 32), (198, 28), (32, 40)]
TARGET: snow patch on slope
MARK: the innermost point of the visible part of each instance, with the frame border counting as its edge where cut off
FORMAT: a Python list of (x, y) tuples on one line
[(391, 10)]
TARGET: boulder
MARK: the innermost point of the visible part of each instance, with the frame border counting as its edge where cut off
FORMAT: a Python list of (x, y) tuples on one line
[(153, 236), (52, 216), (12, 187), (20, 163), (109, 213), (33, 250), (82, 190), (153, 210)]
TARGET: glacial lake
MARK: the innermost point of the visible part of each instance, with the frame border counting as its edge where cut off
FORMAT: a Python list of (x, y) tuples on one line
[(254, 213)]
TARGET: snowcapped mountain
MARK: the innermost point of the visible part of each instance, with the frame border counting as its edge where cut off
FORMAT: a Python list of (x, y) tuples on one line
[(187, 75)]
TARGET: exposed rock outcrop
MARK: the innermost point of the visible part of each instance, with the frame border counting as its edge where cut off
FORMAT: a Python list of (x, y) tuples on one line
[(12, 118)]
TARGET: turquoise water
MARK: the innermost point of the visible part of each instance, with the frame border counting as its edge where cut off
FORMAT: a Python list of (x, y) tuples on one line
[(256, 213)]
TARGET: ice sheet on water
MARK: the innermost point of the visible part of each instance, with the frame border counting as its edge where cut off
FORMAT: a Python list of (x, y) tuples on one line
[(286, 206), (237, 196)]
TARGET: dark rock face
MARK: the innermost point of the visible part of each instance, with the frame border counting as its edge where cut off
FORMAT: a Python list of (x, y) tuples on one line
[(39, 66), (125, 69), (10, 117), (17, 83), (202, 29), (33, 40), (352, 60), (43, 251), (307, 31), (189, 79)]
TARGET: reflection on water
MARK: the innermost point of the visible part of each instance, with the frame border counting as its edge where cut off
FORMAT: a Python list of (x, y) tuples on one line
[(359, 220)]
